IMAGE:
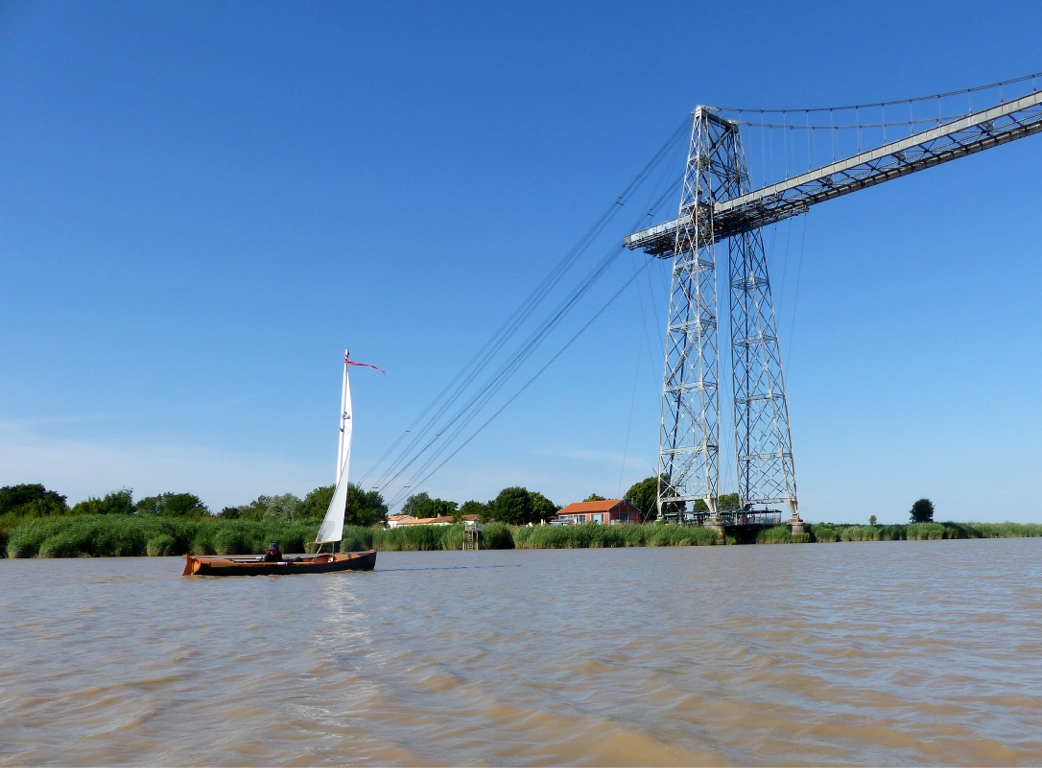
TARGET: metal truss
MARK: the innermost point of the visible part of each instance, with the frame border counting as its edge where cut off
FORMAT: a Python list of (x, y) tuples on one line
[(763, 441), (717, 204), (751, 210), (689, 444)]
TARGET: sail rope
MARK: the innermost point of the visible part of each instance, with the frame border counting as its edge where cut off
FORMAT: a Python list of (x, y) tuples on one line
[(436, 425)]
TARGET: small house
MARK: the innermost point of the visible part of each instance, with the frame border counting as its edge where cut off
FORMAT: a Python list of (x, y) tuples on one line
[(606, 512)]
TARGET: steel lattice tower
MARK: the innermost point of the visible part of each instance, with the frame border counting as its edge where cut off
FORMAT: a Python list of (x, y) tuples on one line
[(689, 468), (763, 442), (718, 204)]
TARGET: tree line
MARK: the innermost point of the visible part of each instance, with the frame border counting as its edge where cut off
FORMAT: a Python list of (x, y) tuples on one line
[(515, 505), (31, 500)]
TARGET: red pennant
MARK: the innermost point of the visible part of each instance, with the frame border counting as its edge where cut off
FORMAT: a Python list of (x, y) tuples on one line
[(363, 365)]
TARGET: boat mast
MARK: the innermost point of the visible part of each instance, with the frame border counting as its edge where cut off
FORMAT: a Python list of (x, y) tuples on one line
[(345, 416)]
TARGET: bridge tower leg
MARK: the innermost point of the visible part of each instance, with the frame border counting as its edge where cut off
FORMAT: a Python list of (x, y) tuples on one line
[(763, 439), (689, 443)]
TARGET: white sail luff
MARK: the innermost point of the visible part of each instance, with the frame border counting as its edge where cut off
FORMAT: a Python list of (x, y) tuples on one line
[(345, 398), (332, 528)]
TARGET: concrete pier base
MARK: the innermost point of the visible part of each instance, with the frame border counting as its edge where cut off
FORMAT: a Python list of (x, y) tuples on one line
[(796, 525), (716, 524)]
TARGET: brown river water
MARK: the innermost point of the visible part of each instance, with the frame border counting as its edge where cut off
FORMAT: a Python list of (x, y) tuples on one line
[(858, 653)]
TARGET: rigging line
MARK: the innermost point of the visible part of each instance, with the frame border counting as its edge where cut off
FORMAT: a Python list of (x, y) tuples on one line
[(480, 398), (509, 327), (785, 261), (506, 369), (989, 86), (629, 420), (796, 298), (541, 370), (645, 335), (491, 348), (850, 126)]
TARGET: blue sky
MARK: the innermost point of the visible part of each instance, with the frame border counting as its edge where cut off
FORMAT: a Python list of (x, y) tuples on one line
[(203, 204)]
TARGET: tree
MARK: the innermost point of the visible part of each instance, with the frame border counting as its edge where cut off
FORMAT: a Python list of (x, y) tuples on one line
[(594, 497), (119, 502), (644, 496), (481, 509), (871, 519), (364, 508), (428, 507), (922, 511), (31, 500), (542, 507), (512, 506), (284, 507), (421, 505), (413, 503), (728, 502), (172, 505), (255, 510), (316, 502)]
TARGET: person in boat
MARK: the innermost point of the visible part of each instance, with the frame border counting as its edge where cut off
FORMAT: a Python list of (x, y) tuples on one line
[(274, 554)]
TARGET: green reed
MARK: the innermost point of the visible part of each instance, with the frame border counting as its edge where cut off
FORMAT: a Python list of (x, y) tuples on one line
[(139, 535), (831, 532), (591, 535), (426, 538), (155, 536)]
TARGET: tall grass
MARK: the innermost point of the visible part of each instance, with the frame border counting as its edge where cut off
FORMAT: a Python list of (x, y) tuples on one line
[(830, 532), (155, 536), (136, 535), (425, 538), (591, 535)]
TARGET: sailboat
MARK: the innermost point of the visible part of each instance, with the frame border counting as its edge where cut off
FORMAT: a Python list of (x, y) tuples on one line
[(330, 532)]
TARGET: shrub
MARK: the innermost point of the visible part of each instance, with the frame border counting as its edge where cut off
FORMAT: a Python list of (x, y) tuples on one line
[(202, 543), (64, 544), (410, 538), (356, 539), (229, 541), (160, 546), (779, 534), (924, 531), (680, 536)]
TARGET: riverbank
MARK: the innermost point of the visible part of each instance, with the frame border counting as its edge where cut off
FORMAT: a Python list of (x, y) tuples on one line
[(153, 536)]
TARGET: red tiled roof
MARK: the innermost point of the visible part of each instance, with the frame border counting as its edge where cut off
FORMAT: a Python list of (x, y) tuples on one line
[(580, 507)]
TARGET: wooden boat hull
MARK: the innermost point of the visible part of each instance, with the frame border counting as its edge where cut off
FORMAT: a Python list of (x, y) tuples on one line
[(201, 565)]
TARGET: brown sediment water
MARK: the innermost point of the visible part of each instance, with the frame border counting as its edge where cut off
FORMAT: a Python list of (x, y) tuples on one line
[(876, 653)]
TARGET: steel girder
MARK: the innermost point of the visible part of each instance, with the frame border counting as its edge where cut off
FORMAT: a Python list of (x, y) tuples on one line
[(776, 202)]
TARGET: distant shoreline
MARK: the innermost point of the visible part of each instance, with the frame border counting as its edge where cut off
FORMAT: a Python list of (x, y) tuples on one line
[(151, 535)]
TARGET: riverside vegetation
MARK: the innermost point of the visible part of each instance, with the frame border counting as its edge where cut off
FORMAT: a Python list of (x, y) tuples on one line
[(106, 536), (35, 522)]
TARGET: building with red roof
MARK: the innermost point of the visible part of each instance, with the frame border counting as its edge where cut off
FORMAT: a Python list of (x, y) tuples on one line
[(605, 512)]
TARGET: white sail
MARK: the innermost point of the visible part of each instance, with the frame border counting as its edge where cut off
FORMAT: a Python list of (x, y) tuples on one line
[(332, 528)]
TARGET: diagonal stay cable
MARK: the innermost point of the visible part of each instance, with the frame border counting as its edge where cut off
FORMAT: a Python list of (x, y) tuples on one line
[(460, 382), (462, 418), (538, 373)]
